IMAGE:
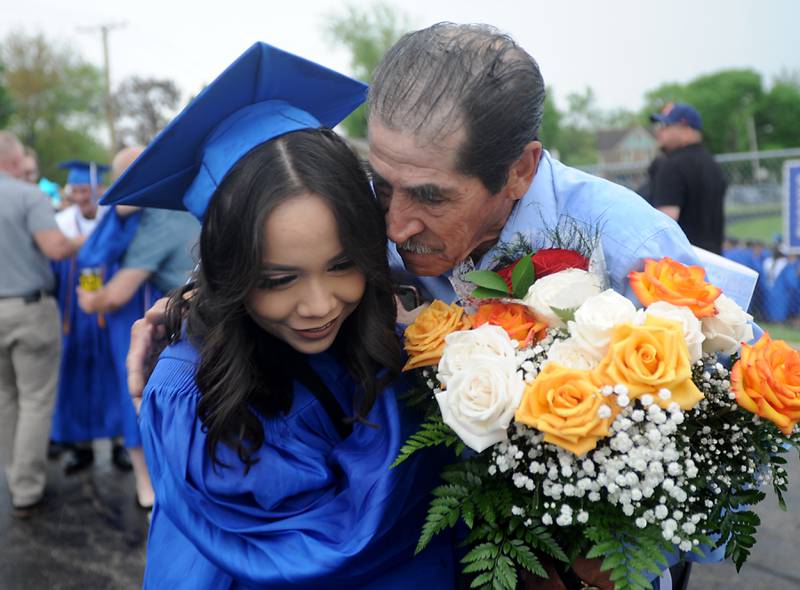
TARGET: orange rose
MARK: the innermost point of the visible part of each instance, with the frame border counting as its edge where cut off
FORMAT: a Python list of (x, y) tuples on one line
[(676, 283), (424, 339), (649, 358), (766, 381), (566, 405), (514, 318)]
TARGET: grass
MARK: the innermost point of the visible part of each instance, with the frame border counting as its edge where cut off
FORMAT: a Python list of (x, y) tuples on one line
[(782, 332), (760, 228)]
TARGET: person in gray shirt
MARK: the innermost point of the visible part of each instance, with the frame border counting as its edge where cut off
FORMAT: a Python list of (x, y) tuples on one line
[(30, 334)]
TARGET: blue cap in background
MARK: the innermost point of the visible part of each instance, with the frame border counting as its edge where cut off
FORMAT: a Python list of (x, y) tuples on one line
[(82, 172), (678, 112), (265, 93)]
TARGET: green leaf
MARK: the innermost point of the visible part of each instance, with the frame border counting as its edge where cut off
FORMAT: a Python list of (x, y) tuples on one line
[(565, 315), (522, 277), (488, 279), (484, 293), (482, 580), (505, 574)]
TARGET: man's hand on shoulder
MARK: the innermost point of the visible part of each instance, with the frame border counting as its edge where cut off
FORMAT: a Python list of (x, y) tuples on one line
[(406, 317), (148, 339)]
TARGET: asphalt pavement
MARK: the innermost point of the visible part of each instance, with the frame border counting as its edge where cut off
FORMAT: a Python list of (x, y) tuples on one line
[(91, 536)]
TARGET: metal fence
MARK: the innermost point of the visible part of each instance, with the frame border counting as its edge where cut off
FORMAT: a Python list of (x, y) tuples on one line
[(753, 217), (754, 178)]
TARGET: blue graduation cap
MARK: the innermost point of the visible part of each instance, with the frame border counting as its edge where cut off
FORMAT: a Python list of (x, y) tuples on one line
[(265, 93), (82, 172)]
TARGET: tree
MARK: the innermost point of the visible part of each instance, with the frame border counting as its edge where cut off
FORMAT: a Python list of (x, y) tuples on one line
[(56, 93), (777, 117), (368, 34), (575, 139), (550, 129), (6, 105), (143, 106), (726, 100)]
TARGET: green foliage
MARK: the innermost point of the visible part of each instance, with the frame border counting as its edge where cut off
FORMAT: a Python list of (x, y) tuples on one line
[(488, 280), (367, 34), (522, 277), (6, 104), (565, 315), (777, 117), (628, 553), (740, 529), (432, 432), (58, 143), (500, 544), (58, 96), (728, 100), (550, 130), (420, 395)]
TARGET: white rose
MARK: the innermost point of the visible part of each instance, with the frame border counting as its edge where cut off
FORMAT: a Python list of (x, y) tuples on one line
[(692, 329), (568, 353), (462, 348), (567, 289), (595, 320), (726, 330), (480, 401)]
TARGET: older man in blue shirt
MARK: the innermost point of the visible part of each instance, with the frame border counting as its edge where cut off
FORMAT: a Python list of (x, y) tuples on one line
[(454, 116)]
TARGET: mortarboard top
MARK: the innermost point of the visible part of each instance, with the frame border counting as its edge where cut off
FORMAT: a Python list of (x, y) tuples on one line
[(82, 172), (265, 93)]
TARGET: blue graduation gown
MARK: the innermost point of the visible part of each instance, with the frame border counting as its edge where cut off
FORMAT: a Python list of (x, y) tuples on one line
[(87, 403), (315, 511), (105, 248)]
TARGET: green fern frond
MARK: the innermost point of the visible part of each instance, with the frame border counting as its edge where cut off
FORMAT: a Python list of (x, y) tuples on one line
[(433, 432)]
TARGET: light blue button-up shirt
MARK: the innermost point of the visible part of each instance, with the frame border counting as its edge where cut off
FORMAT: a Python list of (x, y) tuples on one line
[(630, 229)]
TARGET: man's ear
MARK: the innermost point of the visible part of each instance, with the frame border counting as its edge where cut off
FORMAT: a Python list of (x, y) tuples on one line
[(521, 174)]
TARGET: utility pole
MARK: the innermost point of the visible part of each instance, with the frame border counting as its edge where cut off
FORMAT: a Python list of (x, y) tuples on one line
[(104, 30)]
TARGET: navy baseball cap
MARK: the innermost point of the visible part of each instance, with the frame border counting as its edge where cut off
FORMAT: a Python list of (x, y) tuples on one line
[(262, 95), (678, 112)]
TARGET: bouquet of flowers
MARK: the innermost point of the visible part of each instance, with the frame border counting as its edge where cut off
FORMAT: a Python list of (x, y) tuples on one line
[(598, 429)]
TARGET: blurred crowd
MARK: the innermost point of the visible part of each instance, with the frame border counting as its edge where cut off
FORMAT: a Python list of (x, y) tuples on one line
[(74, 277), (777, 295)]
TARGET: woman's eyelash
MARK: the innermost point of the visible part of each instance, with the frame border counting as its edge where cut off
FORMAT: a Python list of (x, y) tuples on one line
[(271, 283), (343, 265)]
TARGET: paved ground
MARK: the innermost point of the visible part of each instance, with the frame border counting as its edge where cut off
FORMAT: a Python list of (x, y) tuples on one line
[(91, 536)]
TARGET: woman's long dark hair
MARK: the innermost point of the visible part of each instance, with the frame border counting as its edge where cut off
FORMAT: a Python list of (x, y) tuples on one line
[(243, 370)]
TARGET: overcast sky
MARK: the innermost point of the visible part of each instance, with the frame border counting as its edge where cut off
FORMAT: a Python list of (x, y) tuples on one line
[(621, 48)]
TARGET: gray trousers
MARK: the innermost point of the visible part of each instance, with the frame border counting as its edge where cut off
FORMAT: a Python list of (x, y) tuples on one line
[(30, 350)]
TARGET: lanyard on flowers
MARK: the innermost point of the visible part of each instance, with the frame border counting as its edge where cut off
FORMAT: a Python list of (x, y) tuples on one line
[(303, 373)]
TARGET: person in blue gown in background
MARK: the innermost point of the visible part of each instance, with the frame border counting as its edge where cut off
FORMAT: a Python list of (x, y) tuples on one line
[(271, 422), (89, 403)]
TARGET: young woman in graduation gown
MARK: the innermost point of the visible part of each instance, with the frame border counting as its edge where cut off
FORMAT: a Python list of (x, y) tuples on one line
[(271, 422)]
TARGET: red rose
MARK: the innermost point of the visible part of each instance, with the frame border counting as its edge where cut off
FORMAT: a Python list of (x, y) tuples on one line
[(548, 261), (552, 260), (505, 272)]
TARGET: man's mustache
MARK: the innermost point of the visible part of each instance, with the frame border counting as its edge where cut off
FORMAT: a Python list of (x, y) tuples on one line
[(416, 247)]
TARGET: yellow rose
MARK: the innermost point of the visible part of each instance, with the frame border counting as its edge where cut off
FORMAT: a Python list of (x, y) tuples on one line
[(649, 358), (565, 404), (766, 381), (424, 339)]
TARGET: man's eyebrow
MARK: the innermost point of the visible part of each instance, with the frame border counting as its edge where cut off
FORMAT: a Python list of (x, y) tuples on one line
[(429, 193)]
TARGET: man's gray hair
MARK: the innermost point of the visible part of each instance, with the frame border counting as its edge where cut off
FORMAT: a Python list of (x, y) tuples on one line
[(10, 146), (436, 80)]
